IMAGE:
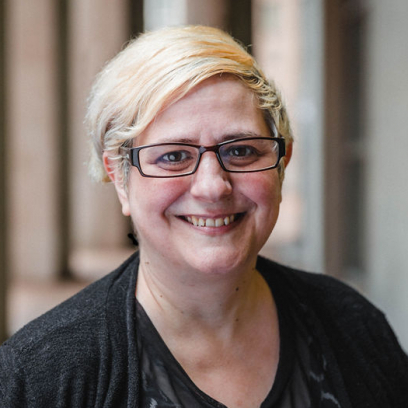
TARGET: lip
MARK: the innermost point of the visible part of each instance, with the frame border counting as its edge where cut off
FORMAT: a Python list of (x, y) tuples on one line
[(212, 222)]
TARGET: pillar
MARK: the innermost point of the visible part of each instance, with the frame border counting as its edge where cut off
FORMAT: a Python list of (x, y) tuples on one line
[(3, 178), (98, 31), (32, 139)]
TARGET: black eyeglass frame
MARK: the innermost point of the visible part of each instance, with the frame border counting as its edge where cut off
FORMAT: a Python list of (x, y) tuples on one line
[(132, 154)]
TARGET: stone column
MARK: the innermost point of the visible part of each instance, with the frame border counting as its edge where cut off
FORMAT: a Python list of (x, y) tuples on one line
[(32, 139), (160, 13), (210, 12), (3, 179), (98, 30)]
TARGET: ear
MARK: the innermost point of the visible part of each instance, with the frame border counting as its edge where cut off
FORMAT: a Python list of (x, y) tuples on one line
[(121, 191), (288, 155)]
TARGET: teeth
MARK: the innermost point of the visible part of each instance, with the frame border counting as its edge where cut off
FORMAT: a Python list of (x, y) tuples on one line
[(210, 222), (219, 222)]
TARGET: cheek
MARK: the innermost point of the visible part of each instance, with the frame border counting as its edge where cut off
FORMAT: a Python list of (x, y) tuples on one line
[(264, 190), (150, 198), (269, 199)]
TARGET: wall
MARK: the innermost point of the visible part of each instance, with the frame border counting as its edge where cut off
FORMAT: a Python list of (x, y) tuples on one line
[(387, 171)]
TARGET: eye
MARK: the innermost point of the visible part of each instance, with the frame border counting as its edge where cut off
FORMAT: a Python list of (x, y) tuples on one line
[(176, 156), (167, 159), (240, 151), (242, 154), (174, 159)]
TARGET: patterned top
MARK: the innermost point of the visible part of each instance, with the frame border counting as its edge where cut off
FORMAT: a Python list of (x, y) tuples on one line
[(300, 381)]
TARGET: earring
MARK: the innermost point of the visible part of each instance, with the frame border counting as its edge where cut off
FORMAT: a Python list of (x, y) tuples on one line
[(133, 238)]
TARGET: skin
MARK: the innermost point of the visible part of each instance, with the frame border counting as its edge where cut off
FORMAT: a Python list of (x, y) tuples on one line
[(199, 285)]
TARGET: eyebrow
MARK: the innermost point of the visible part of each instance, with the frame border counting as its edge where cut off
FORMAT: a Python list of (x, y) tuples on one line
[(224, 138)]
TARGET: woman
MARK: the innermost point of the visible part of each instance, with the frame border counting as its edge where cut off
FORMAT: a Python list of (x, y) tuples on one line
[(196, 141)]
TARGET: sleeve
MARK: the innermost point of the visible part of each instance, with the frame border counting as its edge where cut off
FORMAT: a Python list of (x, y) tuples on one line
[(12, 385), (373, 363), (46, 376), (388, 360)]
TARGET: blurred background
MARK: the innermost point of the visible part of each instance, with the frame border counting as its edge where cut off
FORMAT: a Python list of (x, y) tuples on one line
[(342, 67)]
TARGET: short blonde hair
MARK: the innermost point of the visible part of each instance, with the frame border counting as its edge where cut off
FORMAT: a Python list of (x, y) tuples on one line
[(156, 70)]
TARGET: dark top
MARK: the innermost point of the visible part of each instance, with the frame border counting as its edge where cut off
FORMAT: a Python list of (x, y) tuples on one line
[(300, 381), (83, 353)]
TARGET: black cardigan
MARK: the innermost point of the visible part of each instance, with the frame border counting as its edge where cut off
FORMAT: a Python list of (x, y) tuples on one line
[(83, 352)]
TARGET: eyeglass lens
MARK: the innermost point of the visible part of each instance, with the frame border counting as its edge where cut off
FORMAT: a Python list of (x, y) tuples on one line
[(243, 155)]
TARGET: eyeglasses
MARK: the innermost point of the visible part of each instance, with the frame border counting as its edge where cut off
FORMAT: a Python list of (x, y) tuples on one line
[(244, 155)]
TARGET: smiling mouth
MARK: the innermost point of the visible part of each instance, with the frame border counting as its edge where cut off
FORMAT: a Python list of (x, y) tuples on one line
[(212, 222)]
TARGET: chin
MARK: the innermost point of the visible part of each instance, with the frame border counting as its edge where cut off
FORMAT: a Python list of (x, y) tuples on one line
[(221, 261)]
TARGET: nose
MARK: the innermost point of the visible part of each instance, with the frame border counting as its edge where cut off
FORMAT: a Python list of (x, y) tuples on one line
[(210, 182)]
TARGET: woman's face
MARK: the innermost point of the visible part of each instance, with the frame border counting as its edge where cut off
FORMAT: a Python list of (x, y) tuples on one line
[(162, 210)]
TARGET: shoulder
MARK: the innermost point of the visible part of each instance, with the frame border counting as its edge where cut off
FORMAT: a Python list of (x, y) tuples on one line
[(67, 341), (344, 313), (349, 327), (324, 293), (88, 305)]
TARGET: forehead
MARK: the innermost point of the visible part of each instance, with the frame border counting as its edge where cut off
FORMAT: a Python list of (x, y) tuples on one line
[(217, 108)]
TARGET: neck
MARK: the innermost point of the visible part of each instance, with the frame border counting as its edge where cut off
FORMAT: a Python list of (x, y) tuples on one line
[(188, 302)]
